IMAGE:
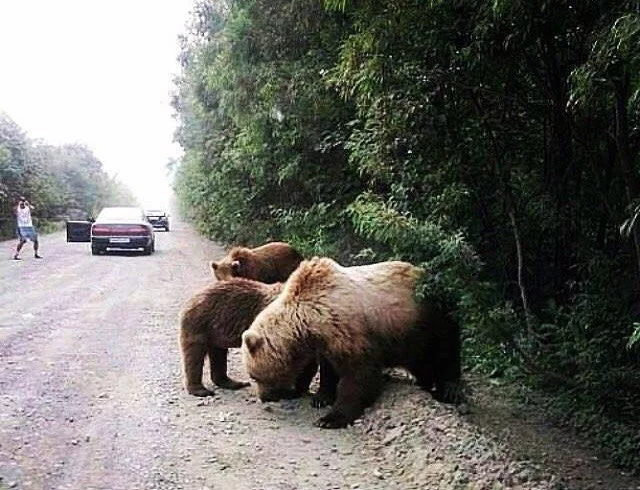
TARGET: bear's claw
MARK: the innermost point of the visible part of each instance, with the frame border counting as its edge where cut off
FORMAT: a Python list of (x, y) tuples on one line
[(333, 420)]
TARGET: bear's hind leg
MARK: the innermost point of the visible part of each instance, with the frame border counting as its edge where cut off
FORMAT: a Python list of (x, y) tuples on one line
[(436, 364), (193, 354), (218, 362), (448, 375), (445, 353), (355, 392)]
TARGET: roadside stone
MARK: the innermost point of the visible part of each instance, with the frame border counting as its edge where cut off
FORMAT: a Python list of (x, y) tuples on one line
[(392, 435)]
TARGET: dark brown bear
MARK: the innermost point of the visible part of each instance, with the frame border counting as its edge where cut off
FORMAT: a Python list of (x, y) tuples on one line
[(212, 322), (273, 262), (359, 320)]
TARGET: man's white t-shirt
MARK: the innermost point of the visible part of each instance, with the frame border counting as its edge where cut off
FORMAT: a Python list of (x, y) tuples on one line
[(24, 216)]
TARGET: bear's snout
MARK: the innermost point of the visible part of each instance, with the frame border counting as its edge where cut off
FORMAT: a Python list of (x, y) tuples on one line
[(276, 394)]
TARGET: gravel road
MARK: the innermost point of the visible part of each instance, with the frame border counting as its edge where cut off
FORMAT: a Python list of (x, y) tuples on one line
[(91, 398)]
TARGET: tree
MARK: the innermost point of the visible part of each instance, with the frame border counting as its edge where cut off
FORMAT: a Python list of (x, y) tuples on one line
[(60, 179)]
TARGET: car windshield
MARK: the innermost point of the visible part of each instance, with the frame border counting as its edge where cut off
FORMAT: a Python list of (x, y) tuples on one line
[(120, 214)]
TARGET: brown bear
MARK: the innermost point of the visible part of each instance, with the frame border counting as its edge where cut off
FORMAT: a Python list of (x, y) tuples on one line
[(212, 322), (269, 263), (359, 320)]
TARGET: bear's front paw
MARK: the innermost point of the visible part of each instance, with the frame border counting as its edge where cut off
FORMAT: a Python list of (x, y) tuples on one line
[(333, 420), (200, 391), (231, 384)]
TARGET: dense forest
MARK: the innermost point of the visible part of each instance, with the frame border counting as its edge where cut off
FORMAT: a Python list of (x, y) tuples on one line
[(494, 143), (62, 182)]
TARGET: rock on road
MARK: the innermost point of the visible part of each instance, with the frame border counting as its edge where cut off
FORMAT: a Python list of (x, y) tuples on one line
[(91, 395)]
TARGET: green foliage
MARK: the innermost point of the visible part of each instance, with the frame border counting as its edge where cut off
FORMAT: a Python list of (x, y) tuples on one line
[(450, 262), (60, 181), (629, 224), (495, 144), (336, 4), (257, 127), (634, 340), (615, 53)]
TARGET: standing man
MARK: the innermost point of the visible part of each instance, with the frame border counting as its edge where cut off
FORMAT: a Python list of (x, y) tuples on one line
[(25, 228)]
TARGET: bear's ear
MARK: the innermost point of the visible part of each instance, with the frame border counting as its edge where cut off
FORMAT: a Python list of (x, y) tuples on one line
[(214, 265), (253, 341), (236, 267)]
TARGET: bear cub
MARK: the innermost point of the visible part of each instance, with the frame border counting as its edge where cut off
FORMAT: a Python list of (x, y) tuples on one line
[(213, 321), (269, 263)]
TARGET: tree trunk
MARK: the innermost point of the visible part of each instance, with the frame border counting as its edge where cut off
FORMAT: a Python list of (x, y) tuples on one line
[(521, 283)]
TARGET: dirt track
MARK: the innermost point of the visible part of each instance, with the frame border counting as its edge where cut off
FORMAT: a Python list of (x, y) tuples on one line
[(91, 398)]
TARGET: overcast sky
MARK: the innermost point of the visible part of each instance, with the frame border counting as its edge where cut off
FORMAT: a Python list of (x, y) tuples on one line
[(98, 73)]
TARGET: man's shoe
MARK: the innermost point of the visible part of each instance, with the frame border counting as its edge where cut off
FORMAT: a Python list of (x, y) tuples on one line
[(15, 257), (38, 256)]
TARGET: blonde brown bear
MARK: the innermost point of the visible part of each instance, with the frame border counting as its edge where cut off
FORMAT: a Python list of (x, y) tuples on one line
[(360, 320), (212, 322), (269, 263)]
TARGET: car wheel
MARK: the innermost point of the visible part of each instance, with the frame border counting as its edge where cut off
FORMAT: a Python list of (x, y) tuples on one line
[(148, 250), (166, 228), (95, 250)]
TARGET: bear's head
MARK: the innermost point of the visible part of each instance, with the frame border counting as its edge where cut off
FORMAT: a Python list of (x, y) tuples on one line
[(274, 356), (237, 263), (226, 269)]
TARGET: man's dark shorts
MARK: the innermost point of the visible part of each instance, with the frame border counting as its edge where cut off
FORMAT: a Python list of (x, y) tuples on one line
[(27, 233)]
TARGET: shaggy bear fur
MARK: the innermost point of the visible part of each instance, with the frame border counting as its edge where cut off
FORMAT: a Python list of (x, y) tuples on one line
[(360, 320), (270, 263)]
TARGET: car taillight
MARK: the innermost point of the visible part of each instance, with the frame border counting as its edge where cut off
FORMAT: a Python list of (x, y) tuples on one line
[(120, 230), (138, 230), (101, 230)]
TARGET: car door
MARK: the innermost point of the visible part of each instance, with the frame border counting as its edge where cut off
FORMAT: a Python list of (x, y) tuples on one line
[(78, 231)]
